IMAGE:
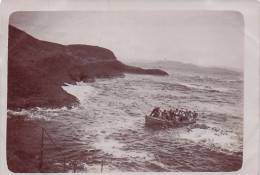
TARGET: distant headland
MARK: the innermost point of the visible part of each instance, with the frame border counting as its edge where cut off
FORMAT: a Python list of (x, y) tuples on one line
[(37, 70)]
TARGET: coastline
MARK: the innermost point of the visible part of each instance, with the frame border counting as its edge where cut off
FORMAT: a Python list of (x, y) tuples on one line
[(37, 70)]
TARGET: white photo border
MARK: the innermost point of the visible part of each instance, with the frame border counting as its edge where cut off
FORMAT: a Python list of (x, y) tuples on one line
[(248, 8)]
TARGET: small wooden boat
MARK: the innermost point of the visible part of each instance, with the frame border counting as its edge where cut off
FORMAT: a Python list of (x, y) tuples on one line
[(152, 121)]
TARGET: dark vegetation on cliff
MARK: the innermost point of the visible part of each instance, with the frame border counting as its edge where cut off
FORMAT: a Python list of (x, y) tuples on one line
[(37, 70)]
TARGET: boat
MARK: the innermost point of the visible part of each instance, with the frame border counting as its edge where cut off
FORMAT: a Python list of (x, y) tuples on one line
[(152, 121)]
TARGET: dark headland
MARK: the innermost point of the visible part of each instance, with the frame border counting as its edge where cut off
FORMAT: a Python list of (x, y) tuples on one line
[(37, 70)]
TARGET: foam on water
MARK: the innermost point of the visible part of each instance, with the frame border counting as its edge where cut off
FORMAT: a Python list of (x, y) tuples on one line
[(31, 114), (204, 87), (96, 168), (86, 91), (215, 140), (116, 149), (110, 118), (80, 90), (22, 112)]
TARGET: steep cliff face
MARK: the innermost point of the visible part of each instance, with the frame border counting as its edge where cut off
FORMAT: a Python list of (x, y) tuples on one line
[(37, 70)]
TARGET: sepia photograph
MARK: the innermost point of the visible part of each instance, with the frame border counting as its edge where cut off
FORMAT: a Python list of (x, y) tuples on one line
[(125, 91)]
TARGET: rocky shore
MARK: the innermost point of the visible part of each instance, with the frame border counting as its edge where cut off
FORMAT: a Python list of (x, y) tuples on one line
[(37, 70)]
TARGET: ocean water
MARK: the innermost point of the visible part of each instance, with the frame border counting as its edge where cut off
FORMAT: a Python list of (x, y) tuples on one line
[(108, 125)]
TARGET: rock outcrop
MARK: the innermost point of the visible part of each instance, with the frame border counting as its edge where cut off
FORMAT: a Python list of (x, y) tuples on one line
[(37, 70)]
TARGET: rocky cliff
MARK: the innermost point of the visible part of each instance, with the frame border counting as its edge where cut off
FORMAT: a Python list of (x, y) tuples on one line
[(37, 70)]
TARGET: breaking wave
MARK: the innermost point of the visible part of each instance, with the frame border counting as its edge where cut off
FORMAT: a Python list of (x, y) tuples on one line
[(109, 125)]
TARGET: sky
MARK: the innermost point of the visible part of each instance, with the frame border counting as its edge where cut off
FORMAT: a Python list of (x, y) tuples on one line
[(207, 38)]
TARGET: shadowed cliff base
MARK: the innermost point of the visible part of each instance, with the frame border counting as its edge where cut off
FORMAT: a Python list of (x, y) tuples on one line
[(37, 70)]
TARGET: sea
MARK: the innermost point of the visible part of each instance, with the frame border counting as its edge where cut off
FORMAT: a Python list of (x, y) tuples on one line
[(106, 132)]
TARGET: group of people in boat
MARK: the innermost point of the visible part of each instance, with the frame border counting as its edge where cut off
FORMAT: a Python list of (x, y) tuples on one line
[(174, 115)]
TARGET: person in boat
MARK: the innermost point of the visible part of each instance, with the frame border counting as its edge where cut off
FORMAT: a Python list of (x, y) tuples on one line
[(165, 115), (177, 114), (181, 115), (168, 115), (195, 115), (186, 115), (172, 115), (190, 115), (155, 112)]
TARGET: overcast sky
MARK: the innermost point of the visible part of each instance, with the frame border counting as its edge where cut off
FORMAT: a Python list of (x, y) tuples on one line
[(208, 38)]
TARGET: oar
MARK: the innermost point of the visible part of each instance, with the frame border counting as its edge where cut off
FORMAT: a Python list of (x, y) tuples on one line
[(188, 129)]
